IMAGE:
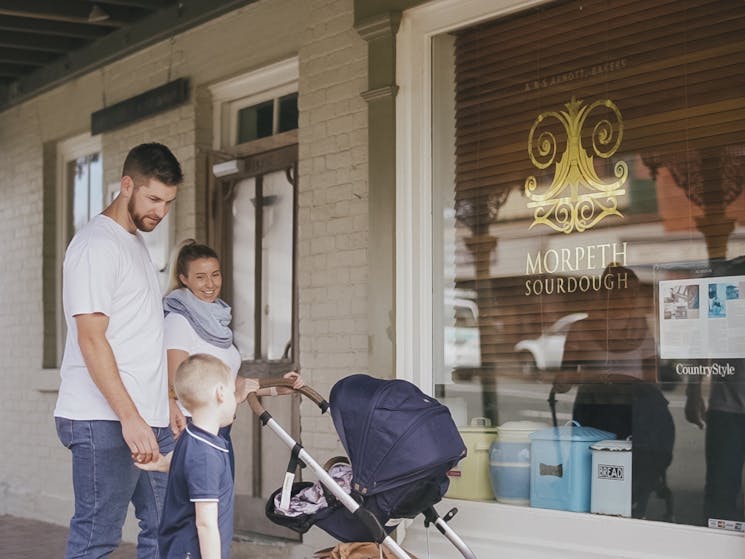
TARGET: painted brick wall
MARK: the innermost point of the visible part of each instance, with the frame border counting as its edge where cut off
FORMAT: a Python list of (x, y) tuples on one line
[(332, 256)]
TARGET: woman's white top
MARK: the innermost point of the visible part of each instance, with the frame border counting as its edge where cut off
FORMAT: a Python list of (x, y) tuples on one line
[(179, 334)]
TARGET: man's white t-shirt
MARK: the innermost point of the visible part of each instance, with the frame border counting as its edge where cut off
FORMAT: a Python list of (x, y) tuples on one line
[(179, 334), (108, 270)]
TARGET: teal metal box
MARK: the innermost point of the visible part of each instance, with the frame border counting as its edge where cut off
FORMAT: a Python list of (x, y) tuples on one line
[(561, 467)]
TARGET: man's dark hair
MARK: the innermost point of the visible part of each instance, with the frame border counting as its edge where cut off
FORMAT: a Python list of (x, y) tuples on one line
[(153, 161)]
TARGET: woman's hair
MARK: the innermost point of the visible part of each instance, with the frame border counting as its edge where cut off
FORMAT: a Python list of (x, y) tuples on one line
[(183, 254), (197, 377)]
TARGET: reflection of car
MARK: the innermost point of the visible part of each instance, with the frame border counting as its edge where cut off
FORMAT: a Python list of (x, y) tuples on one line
[(462, 339), (547, 350)]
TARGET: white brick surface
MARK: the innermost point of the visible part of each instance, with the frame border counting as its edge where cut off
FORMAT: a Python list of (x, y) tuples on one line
[(332, 218)]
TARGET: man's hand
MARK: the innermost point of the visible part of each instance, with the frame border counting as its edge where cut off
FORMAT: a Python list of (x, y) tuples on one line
[(140, 438), (160, 464), (563, 381), (177, 420), (695, 409)]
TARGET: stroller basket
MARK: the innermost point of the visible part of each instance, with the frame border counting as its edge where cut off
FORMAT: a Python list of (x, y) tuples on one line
[(400, 444)]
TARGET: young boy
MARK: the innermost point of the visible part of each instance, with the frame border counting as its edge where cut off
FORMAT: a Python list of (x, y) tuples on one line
[(197, 517)]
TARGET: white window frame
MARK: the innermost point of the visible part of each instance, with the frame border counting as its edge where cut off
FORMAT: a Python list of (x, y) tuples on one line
[(491, 529), (69, 150), (230, 96)]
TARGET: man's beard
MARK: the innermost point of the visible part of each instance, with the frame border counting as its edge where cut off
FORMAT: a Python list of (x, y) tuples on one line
[(139, 220)]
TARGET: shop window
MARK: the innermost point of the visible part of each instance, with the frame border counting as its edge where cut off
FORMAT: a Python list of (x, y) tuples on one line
[(588, 168), (73, 194)]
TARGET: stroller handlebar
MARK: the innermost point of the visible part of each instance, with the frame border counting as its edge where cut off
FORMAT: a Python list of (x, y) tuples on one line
[(307, 391)]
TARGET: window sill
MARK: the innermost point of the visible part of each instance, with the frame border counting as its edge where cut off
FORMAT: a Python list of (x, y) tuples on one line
[(492, 529), (47, 380)]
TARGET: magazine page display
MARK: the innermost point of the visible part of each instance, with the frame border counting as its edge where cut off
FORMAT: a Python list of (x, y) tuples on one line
[(702, 318)]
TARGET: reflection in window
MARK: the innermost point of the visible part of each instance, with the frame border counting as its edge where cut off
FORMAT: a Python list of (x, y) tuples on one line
[(263, 331), (574, 179), (84, 179), (267, 118), (244, 266), (277, 267), (255, 122), (288, 112)]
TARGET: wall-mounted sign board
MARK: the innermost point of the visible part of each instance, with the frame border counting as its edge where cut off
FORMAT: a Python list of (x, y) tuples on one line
[(140, 106)]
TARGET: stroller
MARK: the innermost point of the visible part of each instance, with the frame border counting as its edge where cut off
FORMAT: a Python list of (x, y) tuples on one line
[(401, 444)]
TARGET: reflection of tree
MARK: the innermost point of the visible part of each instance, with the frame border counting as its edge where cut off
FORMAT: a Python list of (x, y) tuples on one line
[(82, 164), (712, 178), (468, 210), (477, 210)]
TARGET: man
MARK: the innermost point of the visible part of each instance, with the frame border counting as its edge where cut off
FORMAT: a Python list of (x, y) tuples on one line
[(112, 407), (725, 434), (725, 417)]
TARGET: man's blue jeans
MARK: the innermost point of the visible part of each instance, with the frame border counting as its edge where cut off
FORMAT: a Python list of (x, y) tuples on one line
[(725, 457), (105, 480)]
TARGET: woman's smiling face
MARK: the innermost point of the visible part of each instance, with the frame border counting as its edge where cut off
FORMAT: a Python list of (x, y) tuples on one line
[(203, 278)]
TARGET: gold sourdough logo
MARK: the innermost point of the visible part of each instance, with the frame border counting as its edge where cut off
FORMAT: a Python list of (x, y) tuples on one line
[(577, 198)]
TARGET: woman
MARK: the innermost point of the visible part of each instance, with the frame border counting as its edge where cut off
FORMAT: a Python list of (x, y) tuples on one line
[(611, 357), (198, 321)]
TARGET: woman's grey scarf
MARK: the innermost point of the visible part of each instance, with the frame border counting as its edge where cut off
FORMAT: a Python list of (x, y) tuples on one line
[(211, 321)]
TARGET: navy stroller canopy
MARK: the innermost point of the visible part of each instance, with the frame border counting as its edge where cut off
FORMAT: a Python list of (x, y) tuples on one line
[(393, 433), (400, 443)]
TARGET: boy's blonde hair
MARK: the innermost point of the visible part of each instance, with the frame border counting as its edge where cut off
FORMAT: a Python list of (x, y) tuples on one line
[(197, 377)]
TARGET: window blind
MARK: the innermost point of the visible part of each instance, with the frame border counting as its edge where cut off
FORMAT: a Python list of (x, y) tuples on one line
[(674, 74)]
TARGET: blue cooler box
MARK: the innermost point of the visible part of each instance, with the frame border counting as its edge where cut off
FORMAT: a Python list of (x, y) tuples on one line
[(561, 467)]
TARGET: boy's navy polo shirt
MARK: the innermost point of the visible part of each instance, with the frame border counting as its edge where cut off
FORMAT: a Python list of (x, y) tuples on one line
[(200, 471)]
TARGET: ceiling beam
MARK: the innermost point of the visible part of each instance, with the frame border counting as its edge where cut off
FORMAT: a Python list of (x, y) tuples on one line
[(28, 41), (57, 28), (71, 11), (30, 58), (13, 70), (152, 5), (171, 20)]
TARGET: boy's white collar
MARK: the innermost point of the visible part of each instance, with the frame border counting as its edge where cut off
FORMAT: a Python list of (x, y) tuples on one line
[(199, 438)]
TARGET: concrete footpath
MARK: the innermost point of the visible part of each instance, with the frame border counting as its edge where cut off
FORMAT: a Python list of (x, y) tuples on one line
[(21, 538)]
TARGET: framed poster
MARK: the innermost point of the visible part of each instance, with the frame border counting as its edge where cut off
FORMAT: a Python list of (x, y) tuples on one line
[(701, 314)]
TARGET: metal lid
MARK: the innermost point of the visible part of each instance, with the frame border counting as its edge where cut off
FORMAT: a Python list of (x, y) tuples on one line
[(612, 445), (571, 433), (522, 426), (479, 425)]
